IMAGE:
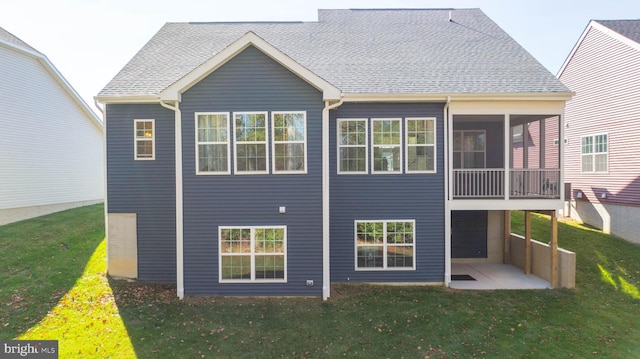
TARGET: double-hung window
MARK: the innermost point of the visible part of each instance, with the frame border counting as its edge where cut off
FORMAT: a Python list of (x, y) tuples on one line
[(212, 143), (144, 138), (352, 146), (420, 145), (250, 135), (289, 142), (253, 254), (595, 153), (385, 244), (387, 145)]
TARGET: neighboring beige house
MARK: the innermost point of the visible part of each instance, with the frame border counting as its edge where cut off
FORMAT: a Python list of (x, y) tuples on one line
[(51, 143), (602, 150)]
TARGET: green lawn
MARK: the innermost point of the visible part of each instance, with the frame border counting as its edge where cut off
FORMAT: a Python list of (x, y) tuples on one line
[(53, 286)]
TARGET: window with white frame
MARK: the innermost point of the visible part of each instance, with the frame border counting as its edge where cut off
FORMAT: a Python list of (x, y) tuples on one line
[(145, 144), (469, 149), (289, 142), (385, 245), (251, 153), (420, 145), (352, 145), (212, 143), (253, 254), (595, 153), (386, 143)]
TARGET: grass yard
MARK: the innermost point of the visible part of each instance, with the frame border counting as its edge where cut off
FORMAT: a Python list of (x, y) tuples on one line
[(53, 286)]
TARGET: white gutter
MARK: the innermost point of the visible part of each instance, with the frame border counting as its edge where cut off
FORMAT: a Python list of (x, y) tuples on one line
[(103, 111), (448, 164), (179, 208), (326, 255)]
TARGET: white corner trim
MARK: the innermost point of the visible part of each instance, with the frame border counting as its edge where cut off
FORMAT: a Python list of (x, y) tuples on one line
[(59, 79), (326, 219), (174, 91)]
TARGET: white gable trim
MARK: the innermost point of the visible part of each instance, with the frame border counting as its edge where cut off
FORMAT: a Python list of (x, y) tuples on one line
[(57, 76), (173, 92), (593, 24)]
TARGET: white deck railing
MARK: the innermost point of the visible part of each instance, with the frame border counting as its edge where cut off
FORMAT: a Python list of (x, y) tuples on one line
[(478, 183), (535, 183), (490, 183)]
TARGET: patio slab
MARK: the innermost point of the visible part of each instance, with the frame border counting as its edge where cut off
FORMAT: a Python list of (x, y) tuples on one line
[(490, 276)]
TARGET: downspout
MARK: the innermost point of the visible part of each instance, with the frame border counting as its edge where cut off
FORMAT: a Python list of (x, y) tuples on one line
[(326, 257), (103, 111), (448, 128), (179, 209)]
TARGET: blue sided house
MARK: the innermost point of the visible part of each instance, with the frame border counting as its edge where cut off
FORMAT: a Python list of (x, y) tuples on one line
[(376, 146)]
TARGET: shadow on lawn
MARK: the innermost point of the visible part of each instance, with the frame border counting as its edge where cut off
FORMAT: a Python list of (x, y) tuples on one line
[(151, 313), (42, 260)]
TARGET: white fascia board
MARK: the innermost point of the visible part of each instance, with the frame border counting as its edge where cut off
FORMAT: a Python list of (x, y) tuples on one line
[(529, 107), (615, 35), (59, 79), (416, 97), (127, 99), (174, 91), (575, 48), (502, 204), (593, 24)]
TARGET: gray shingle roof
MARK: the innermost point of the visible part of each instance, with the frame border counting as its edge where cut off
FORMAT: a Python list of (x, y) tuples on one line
[(399, 51), (627, 28)]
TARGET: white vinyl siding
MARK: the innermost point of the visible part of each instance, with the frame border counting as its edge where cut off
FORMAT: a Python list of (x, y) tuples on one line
[(52, 152), (252, 254), (420, 141), (212, 143), (352, 139), (385, 245), (289, 142)]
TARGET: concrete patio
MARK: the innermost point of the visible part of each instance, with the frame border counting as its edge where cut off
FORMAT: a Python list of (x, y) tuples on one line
[(489, 276)]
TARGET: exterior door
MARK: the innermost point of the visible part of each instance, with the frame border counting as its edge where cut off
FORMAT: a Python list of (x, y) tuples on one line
[(469, 234)]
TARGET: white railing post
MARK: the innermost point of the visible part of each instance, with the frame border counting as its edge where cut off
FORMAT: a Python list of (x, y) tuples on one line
[(507, 155)]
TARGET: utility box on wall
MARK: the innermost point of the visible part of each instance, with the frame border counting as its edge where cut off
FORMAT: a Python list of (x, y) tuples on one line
[(122, 245)]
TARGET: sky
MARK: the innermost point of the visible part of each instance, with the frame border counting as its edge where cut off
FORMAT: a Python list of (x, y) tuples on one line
[(89, 41)]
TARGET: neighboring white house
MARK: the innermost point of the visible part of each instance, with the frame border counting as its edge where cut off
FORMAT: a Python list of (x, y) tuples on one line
[(51, 142)]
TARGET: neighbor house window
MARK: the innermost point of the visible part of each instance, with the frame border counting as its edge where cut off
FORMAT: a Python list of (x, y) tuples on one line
[(385, 244), (289, 142), (212, 143), (387, 143), (420, 142), (145, 144), (595, 153), (253, 254), (250, 142), (352, 146), (469, 149)]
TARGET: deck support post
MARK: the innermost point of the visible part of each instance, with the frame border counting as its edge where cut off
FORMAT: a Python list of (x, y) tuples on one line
[(527, 242), (507, 238), (554, 250)]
